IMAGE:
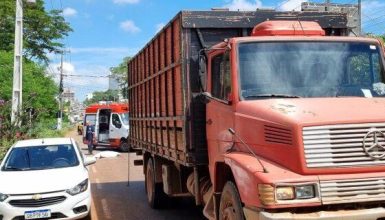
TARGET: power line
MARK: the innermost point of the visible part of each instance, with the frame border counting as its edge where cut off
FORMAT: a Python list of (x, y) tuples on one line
[(90, 76)]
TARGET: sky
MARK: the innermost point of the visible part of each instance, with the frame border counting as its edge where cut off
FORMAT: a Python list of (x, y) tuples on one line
[(106, 31)]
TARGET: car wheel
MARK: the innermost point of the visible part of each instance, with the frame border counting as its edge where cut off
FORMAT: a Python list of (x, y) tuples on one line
[(124, 147), (154, 191), (230, 207)]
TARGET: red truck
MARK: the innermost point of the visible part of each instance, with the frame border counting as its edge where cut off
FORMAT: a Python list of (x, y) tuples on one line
[(261, 115)]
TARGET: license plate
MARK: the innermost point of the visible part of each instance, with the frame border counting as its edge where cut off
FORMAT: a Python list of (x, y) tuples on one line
[(37, 214)]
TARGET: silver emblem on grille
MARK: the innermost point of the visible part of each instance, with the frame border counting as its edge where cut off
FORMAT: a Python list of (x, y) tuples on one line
[(372, 146), (36, 197)]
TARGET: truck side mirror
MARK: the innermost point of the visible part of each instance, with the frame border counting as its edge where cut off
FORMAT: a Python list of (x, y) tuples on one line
[(203, 71)]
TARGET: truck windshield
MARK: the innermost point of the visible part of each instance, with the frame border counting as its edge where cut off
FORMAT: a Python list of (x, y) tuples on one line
[(310, 69), (124, 117)]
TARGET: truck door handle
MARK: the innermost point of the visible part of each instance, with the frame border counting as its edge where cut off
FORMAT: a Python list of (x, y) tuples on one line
[(209, 121)]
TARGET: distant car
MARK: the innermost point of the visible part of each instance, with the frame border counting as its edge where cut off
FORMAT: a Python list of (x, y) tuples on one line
[(45, 179), (79, 126)]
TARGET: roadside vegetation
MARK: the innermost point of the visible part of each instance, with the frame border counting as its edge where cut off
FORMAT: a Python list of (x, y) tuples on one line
[(43, 31), (119, 72)]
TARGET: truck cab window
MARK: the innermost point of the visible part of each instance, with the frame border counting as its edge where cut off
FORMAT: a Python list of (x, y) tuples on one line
[(116, 121), (220, 76)]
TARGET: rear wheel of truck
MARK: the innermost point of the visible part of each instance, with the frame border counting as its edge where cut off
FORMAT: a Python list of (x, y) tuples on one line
[(230, 207), (154, 190)]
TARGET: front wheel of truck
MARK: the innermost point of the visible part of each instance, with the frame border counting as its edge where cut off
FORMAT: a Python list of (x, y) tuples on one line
[(154, 190), (230, 207)]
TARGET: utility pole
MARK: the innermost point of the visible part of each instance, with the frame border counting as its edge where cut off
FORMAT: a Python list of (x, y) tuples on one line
[(60, 116), (17, 63), (359, 17)]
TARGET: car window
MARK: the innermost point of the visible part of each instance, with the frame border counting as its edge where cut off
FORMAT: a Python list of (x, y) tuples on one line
[(41, 158)]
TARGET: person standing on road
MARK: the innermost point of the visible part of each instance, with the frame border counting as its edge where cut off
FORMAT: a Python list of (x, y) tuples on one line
[(90, 136)]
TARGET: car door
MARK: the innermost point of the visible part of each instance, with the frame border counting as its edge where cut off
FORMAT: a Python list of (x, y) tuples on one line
[(115, 126)]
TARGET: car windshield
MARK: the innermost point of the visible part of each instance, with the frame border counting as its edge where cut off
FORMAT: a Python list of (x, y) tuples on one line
[(124, 117), (41, 158), (310, 69)]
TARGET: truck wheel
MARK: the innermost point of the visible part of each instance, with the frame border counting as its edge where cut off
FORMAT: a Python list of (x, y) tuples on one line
[(124, 147), (154, 190), (230, 207)]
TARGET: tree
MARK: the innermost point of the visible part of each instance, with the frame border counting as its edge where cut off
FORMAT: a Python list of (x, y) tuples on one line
[(42, 30), (39, 89), (109, 95), (120, 73)]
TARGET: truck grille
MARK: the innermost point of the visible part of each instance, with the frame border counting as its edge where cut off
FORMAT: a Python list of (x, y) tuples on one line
[(341, 145), (28, 203), (357, 190)]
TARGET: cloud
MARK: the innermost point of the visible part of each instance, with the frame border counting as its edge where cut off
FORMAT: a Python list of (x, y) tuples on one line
[(243, 5), (290, 5), (69, 12), (126, 1), (129, 26), (159, 26)]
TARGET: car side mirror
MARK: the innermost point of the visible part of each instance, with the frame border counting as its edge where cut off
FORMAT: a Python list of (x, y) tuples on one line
[(203, 71), (89, 160)]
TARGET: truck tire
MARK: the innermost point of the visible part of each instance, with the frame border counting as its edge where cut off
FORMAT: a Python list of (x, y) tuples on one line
[(230, 207), (124, 147), (154, 190)]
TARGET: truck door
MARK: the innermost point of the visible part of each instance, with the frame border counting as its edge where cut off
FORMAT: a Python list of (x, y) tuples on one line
[(115, 127), (220, 115)]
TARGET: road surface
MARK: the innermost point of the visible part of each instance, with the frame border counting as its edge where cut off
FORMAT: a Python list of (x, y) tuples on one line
[(115, 199)]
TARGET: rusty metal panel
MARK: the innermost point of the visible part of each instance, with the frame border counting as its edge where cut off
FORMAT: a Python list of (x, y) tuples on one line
[(248, 19)]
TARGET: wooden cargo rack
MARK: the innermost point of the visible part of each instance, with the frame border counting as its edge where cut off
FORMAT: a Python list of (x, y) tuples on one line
[(165, 118)]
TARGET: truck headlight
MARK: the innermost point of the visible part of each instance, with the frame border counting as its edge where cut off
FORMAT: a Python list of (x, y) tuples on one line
[(285, 193), (3, 197), (81, 187), (304, 192), (295, 192)]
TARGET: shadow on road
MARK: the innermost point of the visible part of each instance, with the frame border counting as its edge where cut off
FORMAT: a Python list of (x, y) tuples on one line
[(129, 202)]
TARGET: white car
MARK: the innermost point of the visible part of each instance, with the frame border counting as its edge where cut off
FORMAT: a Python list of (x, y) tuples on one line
[(45, 179)]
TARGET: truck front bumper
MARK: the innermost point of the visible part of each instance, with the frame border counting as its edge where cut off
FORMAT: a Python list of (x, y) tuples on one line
[(362, 214)]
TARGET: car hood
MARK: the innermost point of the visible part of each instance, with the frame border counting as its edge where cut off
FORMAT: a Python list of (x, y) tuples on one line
[(316, 111), (40, 181)]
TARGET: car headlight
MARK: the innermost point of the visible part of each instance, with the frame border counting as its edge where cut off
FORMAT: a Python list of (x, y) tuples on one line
[(81, 187), (3, 197)]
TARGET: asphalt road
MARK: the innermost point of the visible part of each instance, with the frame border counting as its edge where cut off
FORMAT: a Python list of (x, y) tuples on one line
[(116, 198)]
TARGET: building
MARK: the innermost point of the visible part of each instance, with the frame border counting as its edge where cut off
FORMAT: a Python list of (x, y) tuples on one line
[(351, 10), (68, 95), (113, 83), (89, 96)]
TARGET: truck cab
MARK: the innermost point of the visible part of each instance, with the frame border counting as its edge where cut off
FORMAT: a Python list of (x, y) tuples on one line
[(296, 124), (111, 125)]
